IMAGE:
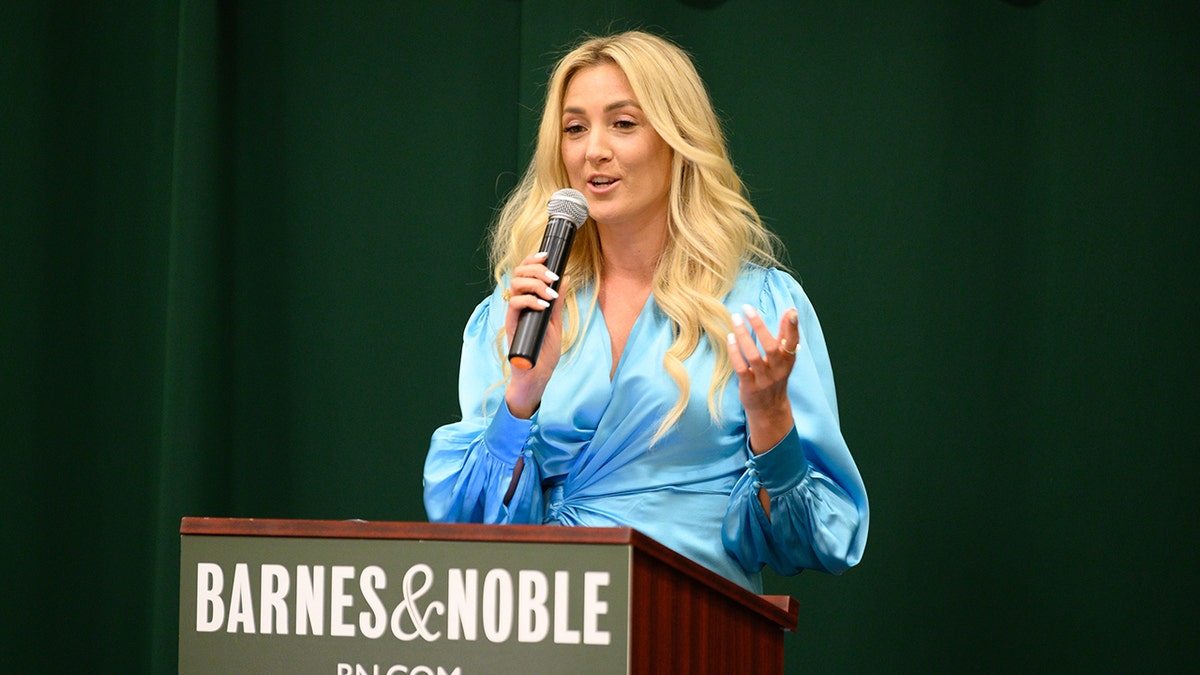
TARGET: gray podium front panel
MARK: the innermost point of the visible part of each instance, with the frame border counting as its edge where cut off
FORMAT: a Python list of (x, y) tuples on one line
[(401, 607)]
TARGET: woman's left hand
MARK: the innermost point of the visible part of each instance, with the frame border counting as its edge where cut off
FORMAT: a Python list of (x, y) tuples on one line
[(763, 374)]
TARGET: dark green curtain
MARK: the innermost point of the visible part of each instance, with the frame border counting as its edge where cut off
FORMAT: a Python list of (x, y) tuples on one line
[(239, 242)]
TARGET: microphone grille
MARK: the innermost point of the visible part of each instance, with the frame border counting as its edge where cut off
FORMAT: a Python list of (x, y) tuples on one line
[(570, 205)]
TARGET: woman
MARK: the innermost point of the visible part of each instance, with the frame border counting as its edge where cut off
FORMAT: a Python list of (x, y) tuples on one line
[(683, 387)]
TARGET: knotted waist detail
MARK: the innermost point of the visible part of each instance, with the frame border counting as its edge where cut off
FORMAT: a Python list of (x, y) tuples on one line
[(554, 503)]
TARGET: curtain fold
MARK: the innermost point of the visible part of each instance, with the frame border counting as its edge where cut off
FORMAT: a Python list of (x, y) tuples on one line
[(87, 95), (192, 462)]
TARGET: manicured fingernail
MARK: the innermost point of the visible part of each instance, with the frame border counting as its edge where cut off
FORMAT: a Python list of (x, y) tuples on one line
[(543, 303), (731, 339), (749, 311), (551, 292), (540, 255), (794, 317), (551, 276), (737, 320)]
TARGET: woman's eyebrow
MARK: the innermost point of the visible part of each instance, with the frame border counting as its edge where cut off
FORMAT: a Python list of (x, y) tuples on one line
[(627, 103)]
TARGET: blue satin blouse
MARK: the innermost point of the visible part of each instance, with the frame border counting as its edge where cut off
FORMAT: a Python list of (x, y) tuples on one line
[(589, 459)]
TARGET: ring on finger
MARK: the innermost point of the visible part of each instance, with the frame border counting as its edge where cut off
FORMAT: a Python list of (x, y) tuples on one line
[(506, 294), (783, 346)]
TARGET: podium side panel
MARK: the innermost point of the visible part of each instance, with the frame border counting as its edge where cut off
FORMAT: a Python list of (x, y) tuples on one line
[(679, 626)]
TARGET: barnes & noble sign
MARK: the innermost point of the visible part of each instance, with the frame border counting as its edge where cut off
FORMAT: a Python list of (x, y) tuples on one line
[(401, 607)]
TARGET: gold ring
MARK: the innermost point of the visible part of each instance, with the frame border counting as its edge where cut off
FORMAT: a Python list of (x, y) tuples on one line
[(506, 294), (783, 347)]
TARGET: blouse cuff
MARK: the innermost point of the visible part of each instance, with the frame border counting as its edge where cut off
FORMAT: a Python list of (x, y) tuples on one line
[(506, 435), (782, 467)]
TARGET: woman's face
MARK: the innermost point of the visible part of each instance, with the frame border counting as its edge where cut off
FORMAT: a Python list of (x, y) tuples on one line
[(611, 153)]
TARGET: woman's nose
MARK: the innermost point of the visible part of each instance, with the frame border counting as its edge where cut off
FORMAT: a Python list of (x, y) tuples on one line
[(598, 149)]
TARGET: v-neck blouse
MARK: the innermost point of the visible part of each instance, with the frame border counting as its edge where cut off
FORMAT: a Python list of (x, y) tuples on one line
[(589, 460)]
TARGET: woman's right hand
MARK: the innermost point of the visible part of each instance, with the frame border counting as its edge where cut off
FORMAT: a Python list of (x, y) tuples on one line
[(530, 288)]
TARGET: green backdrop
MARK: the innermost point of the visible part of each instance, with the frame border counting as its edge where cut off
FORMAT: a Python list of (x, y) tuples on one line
[(239, 242)]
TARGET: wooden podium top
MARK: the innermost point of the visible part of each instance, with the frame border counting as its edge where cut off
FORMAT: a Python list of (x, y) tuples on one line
[(779, 609)]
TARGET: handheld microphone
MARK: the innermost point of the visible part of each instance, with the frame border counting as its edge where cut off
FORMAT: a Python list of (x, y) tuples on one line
[(568, 209)]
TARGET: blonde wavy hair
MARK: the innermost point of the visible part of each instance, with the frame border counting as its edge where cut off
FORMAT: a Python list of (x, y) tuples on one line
[(713, 230)]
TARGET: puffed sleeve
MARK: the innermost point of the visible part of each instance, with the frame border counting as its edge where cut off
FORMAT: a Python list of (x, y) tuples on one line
[(470, 463), (819, 514)]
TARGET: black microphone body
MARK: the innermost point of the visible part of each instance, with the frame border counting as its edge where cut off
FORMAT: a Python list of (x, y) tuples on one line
[(568, 210)]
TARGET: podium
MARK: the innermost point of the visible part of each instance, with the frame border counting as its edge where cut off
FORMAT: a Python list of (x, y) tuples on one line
[(392, 598)]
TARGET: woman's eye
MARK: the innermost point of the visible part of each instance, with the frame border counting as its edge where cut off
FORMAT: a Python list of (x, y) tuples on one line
[(625, 124), (573, 129)]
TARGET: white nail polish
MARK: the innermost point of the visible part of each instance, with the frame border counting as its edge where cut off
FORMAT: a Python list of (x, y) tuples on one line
[(551, 276), (749, 311), (731, 339), (543, 303), (551, 292), (737, 320)]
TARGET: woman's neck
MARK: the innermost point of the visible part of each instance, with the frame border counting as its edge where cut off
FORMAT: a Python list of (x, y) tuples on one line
[(631, 255)]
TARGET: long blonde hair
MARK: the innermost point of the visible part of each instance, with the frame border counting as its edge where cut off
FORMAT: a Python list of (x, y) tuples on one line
[(713, 230)]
